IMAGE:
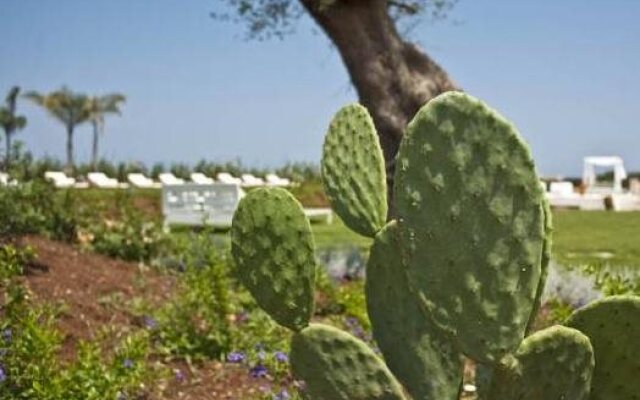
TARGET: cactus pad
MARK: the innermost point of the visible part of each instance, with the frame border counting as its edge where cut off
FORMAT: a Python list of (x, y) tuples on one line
[(613, 326), (544, 264), (338, 366), (470, 215), (353, 171), (419, 354), (273, 248), (555, 363)]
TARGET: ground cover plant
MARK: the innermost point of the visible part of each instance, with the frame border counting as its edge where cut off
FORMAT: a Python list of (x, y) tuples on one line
[(459, 272)]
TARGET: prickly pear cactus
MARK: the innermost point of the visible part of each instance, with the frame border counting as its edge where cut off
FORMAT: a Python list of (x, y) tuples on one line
[(555, 363), (272, 245), (613, 327), (338, 366), (413, 347), (460, 272), (471, 221), (353, 171)]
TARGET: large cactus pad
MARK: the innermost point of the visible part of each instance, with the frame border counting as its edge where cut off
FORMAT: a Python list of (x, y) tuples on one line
[(555, 363), (470, 215), (613, 326), (338, 366), (420, 355), (273, 248), (353, 171)]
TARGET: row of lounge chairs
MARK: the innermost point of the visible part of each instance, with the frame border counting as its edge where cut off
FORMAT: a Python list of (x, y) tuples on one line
[(101, 180), (562, 194)]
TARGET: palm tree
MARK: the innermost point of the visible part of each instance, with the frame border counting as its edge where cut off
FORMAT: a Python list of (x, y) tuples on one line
[(10, 122), (97, 108), (67, 107)]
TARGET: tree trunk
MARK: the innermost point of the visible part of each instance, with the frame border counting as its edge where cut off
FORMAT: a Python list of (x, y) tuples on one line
[(69, 148), (94, 149), (393, 78)]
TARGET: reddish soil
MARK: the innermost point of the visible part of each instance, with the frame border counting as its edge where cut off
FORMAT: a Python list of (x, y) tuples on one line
[(95, 290)]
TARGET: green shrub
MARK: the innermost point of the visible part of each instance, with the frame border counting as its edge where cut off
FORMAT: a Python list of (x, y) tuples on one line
[(34, 208), (31, 370), (13, 260)]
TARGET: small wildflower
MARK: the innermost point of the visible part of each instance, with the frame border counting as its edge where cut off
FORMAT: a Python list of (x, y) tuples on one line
[(121, 396), (282, 395), (149, 322), (261, 355), (236, 357), (127, 363), (7, 334), (179, 375), (281, 356), (242, 316), (3, 375), (259, 371)]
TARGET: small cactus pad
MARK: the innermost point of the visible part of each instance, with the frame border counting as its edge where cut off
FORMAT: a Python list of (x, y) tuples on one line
[(337, 366), (470, 215), (555, 363), (419, 354), (353, 171), (613, 326), (544, 264), (273, 249)]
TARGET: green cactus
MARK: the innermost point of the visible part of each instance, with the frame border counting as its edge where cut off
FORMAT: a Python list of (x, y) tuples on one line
[(271, 241), (613, 327), (469, 204), (555, 363), (460, 272), (353, 171), (337, 366), (412, 346)]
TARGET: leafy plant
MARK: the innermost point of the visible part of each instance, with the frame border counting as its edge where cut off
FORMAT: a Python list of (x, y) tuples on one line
[(13, 260), (30, 368)]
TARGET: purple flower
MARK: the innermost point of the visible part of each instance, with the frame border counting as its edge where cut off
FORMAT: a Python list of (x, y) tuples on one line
[(127, 363), (281, 356), (283, 395), (259, 371), (7, 334), (236, 357), (179, 375), (149, 322), (3, 375)]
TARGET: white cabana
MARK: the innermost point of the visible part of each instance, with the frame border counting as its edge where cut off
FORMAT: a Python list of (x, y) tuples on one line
[(589, 171)]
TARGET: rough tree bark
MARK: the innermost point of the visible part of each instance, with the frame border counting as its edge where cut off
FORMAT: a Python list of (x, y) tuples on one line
[(393, 78)]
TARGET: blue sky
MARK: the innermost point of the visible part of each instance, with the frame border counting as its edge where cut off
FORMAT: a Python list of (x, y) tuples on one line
[(566, 73)]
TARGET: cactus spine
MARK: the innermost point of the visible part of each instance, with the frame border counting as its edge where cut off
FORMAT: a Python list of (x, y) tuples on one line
[(459, 272)]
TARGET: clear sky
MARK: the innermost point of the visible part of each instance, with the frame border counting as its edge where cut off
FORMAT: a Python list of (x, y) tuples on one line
[(567, 73)]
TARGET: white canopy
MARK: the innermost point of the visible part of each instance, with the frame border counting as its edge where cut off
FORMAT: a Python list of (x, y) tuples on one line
[(589, 171)]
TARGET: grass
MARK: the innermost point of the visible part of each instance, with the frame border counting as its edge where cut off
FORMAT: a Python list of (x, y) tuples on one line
[(580, 237), (594, 237)]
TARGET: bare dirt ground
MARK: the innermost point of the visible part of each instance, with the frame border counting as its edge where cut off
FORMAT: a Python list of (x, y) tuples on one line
[(90, 287)]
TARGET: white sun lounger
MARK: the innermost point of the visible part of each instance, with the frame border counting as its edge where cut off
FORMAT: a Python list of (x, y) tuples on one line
[(99, 179), (167, 178), (275, 180), (141, 181), (226, 177), (625, 202), (59, 179), (562, 195), (201, 179), (249, 180)]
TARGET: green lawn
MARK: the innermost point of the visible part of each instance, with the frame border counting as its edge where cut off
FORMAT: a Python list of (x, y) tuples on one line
[(580, 237), (590, 237)]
